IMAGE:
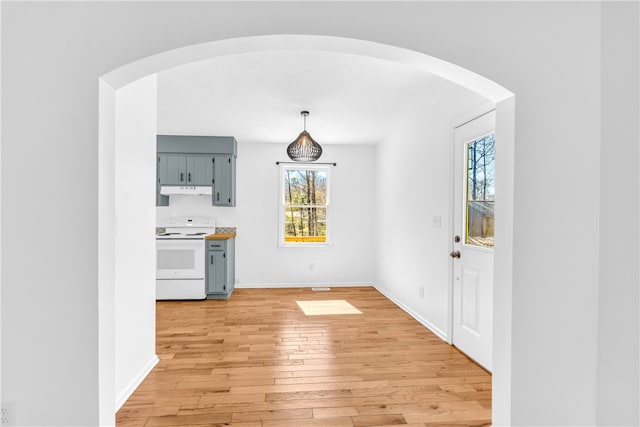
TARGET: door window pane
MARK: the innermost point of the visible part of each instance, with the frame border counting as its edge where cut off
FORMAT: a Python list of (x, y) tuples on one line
[(481, 156)]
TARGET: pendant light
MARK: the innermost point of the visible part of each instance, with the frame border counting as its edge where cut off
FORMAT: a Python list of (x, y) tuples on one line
[(304, 148)]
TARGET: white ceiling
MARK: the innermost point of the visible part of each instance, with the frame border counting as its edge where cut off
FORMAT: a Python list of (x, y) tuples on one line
[(257, 97)]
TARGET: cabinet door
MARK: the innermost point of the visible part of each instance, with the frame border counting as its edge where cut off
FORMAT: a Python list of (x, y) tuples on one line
[(176, 169), (223, 182), (162, 172), (199, 169), (231, 264), (162, 169), (216, 272)]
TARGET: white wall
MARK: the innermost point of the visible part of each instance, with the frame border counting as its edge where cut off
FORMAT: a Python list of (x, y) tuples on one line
[(135, 262), (618, 370), (259, 259), (106, 253), (413, 190), (548, 54)]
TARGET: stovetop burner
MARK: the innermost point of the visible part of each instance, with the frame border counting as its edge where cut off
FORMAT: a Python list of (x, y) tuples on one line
[(185, 228)]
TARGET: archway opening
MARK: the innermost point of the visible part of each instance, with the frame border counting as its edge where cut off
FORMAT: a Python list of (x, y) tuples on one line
[(113, 88)]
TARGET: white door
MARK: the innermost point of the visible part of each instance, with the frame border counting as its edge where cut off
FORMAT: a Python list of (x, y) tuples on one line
[(472, 255)]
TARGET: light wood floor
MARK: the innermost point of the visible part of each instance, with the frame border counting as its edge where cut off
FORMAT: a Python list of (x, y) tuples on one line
[(257, 361)]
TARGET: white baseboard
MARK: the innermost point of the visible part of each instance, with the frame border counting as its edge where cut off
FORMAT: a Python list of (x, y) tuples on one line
[(301, 285), (135, 382), (439, 332)]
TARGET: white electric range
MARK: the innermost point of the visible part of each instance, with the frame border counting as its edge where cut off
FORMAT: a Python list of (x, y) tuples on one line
[(180, 257)]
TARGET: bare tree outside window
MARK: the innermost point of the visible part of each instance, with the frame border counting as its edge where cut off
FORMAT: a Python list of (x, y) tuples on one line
[(305, 205), (481, 156)]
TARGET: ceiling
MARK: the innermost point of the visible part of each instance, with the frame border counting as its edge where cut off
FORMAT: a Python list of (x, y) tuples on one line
[(257, 97)]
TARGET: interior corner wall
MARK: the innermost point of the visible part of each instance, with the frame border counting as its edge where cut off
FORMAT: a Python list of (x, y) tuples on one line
[(135, 262), (414, 172), (618, 314)]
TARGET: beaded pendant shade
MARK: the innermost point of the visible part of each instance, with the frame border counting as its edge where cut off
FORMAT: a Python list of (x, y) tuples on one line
[(304, 148)]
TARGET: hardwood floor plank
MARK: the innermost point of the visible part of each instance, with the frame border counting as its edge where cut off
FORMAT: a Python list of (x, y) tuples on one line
[(256, 360), (221, 399), (378, 420), (312, 422), (187, 420), (318, 379), (333, 412), (286, 414)]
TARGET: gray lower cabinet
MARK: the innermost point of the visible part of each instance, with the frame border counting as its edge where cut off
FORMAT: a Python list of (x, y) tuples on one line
[(220, 273)]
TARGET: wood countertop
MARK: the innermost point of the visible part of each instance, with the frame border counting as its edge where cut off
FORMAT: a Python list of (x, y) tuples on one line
[(220, 236)]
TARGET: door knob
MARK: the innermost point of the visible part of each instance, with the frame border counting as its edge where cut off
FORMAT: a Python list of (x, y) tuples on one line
[(455, 254)]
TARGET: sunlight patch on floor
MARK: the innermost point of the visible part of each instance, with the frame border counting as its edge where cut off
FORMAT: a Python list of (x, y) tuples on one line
[(315, 308)]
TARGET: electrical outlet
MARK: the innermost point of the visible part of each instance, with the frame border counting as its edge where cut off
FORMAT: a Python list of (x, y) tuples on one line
[(7, 414)]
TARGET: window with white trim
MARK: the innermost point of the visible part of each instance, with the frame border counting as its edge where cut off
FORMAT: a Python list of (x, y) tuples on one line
[(304, 207)]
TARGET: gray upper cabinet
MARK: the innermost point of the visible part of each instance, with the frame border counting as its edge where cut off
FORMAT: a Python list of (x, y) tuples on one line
[(199, 169), (172, 169), (185, 169), (176, 169), (198, 161), (224, 180)]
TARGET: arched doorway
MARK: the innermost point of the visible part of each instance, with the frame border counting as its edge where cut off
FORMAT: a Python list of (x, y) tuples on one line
[(118, 79)]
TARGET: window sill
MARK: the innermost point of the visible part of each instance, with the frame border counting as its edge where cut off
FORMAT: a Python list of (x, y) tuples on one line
[(305, 245)]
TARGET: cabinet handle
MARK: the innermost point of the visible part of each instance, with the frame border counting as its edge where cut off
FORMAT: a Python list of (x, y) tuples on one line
[(211, 262), (224, 287), (189, 177), (224, 255), (181, 176), (217, 197)]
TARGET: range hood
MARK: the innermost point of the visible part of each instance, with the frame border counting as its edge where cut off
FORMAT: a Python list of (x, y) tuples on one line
[(192, 190)]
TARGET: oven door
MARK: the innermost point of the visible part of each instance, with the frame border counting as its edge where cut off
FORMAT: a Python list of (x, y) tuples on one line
[(180, 259)]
